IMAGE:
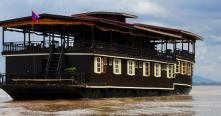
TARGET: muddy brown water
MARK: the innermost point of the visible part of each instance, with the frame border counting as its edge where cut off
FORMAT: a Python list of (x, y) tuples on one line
[(202, 101)]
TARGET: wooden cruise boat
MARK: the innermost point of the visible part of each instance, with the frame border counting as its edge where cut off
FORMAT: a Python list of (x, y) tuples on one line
[(94, 55)]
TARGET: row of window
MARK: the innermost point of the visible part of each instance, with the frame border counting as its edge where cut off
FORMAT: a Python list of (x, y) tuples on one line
[(100, 66), (184, 68)]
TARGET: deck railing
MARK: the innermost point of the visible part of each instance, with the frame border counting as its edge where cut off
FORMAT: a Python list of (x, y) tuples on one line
[(184, 54), (97, 47), (34, 46), (41, 78), (132, 51)]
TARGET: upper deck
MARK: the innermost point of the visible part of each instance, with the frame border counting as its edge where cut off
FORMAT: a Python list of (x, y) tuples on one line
[(97, 33)]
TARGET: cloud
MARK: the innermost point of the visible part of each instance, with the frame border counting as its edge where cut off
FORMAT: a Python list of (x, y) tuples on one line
[(216, 38), (144, 7), (138, 7), (208, 60)]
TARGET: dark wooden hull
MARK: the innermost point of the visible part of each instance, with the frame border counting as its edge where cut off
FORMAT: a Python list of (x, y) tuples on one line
[(25, 92)]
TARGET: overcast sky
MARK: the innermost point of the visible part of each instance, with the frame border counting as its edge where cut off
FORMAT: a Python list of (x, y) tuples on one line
[(199, 16)]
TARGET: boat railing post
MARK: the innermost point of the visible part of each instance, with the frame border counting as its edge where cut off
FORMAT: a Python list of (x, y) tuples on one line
[(0, 78), (3, 37)]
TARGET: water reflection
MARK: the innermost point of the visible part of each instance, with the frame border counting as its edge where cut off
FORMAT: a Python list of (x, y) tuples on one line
[(193, 104), (110, 106)]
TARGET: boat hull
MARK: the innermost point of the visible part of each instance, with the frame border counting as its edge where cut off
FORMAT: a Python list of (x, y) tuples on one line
[(26, 92)]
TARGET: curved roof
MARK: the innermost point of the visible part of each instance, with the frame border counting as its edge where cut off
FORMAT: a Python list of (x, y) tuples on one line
[(179, 33), (108, 13)]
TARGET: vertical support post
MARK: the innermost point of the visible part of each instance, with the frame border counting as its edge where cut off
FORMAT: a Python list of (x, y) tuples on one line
[(62, 39), (188, 47), (166, 44), (53, 45), (49, 35), (182, 45), (44, 40), (3, 37), (24, 38), (174, 46), (161, 46), (68, 37), (29, 38)]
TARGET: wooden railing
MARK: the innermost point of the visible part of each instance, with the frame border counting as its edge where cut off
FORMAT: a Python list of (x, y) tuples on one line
[(185, 54), (28, 46), (40, 78), (97, 47)]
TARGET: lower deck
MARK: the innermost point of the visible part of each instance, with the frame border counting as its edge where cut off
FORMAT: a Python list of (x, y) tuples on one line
[(24, 92), (100, 70)]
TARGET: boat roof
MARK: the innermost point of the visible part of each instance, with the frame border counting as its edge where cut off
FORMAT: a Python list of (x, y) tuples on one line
[(102, 13), (106, 24)]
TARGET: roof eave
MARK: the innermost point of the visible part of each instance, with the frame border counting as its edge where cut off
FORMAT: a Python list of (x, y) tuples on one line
[(197, 37)]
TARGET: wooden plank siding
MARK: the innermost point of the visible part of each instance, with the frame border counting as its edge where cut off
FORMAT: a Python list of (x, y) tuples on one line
[(85, 63)]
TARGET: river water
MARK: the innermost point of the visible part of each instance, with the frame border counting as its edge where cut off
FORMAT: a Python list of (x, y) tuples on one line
[(202, 101)]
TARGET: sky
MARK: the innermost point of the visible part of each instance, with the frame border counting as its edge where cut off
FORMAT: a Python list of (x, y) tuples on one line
[(199, 16)]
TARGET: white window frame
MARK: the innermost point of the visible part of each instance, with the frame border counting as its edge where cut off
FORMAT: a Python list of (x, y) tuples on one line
[(157, 69), (130, 67), (146, 69), (170, 71), (116, 66), (178, 67), (97, 65), (184, 68), (189, 69)]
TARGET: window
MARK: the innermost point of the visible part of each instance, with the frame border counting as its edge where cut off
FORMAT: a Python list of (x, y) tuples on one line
[(103, 65), (117, 66), (130, 67), (189, 69), (97, 64), (184, 68), (100, 65), (146, 69), (178, 67), (170, 71), (157, 69)]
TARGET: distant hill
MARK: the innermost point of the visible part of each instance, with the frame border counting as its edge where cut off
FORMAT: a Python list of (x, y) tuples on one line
[(199, 80)]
